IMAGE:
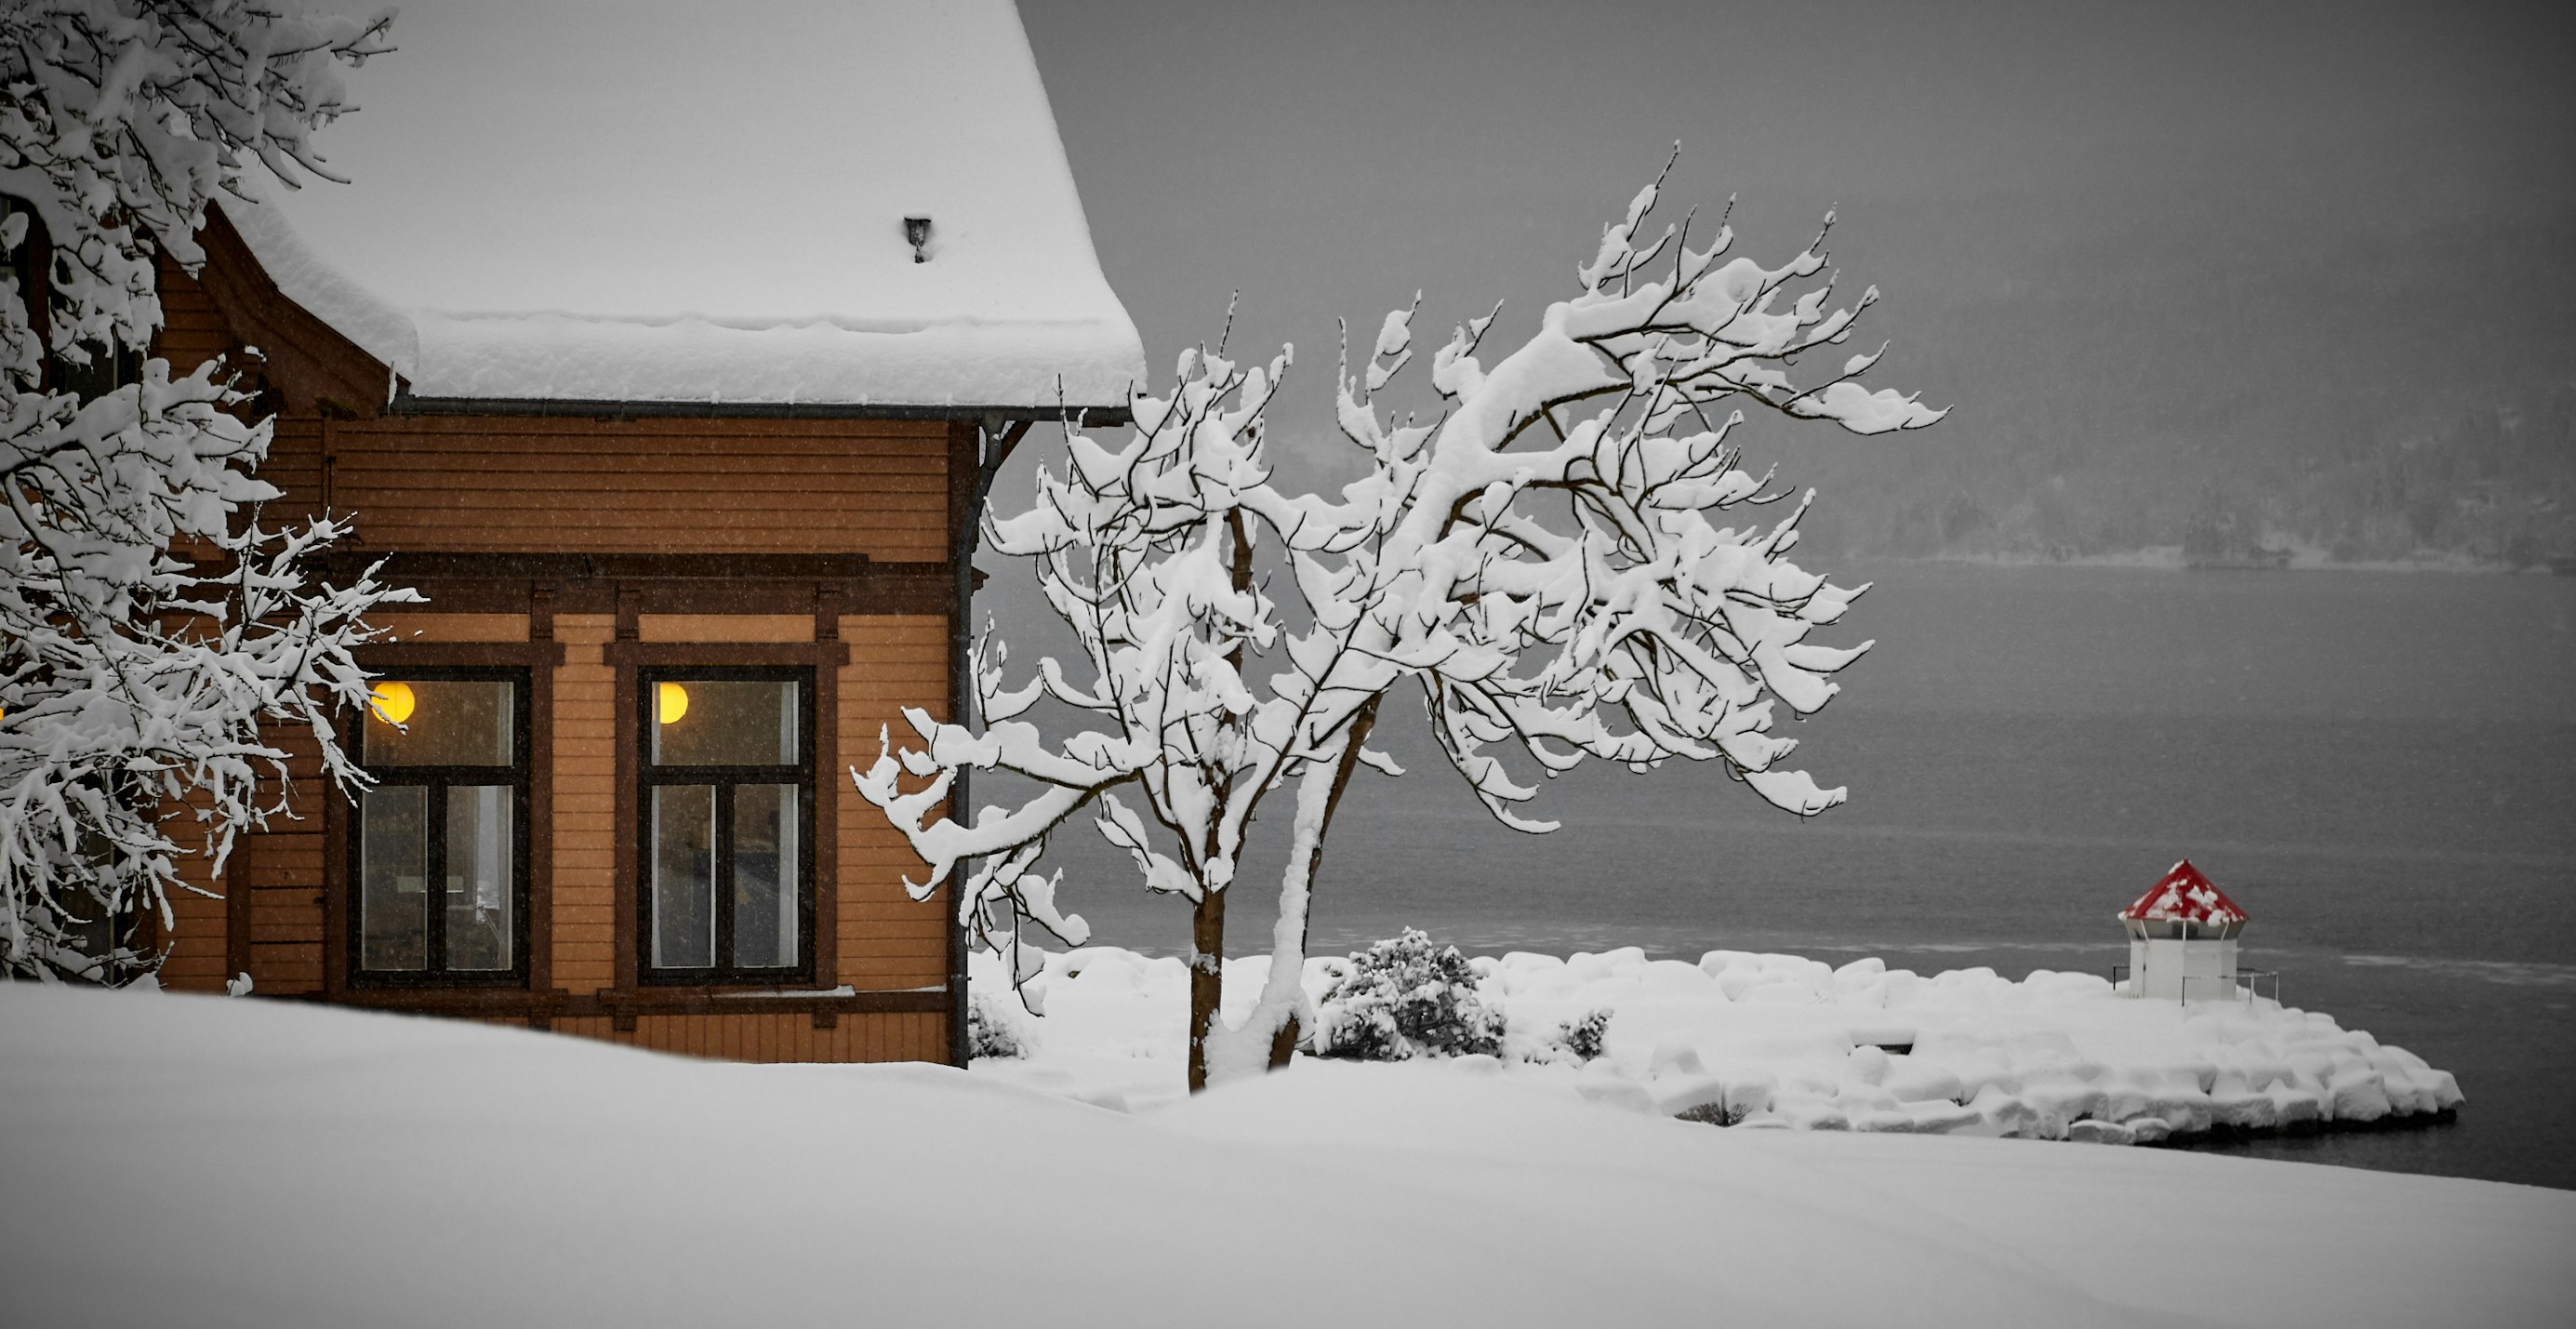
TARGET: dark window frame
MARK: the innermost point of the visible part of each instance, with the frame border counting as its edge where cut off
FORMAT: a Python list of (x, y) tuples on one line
[(518, 776), (648, 774)]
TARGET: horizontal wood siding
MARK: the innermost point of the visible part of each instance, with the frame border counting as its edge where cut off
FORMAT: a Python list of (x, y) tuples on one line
[(282, 869), (409, 627), (772, 1038), (888, 939), (193, 330), (585, 813), (540, 484), (724, 627), (195, 936), (294, 465)]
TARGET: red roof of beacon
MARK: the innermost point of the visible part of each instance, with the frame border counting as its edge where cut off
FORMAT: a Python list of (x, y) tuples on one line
[(2187, 896)]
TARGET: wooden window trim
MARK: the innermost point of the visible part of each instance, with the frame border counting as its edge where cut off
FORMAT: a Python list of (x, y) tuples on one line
[(628, 657), (519, 773), (539, 660), (718, 975)]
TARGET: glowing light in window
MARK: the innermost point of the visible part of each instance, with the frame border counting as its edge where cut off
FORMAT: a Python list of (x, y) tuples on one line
[(670, 702), (392, 702)]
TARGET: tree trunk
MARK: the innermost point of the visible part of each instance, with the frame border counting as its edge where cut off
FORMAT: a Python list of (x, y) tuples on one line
[(1283, 1044), (1207, 974), (1207, 922)]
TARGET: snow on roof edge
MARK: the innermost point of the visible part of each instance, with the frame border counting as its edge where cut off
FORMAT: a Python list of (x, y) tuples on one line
[(851, 348), (689, 359), (325, 292)]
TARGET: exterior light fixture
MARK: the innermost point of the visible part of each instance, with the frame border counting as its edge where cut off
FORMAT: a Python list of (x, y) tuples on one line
[(670, 702), (916, 232), (392, 702)]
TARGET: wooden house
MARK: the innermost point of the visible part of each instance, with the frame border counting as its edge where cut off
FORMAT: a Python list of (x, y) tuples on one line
[(685, 450)]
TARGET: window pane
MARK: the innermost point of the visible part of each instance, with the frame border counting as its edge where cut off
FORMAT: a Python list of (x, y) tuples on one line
[(479, 885), (393, 878), (684, 876), (766, 875), (444, 722), (711, 722)]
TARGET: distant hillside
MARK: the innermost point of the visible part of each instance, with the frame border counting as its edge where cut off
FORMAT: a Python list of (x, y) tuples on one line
[(2387, 393)]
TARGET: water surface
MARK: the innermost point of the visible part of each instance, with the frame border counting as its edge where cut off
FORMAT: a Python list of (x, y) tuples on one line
[(2381, 767)]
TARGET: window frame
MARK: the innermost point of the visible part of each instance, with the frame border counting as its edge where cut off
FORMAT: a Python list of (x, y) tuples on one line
[(519, 776), (648, 775)]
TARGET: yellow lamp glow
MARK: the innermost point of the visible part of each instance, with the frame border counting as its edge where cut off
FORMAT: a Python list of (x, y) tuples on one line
[(670, 702), (392, 702)]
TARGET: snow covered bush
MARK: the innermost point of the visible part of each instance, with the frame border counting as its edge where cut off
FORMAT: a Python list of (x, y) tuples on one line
[(1585, 1037), (149, 624), (1566, 559), (1404, 998), (993, 1028)]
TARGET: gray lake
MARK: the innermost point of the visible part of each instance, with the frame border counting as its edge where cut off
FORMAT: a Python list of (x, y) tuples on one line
[(2380, 767)]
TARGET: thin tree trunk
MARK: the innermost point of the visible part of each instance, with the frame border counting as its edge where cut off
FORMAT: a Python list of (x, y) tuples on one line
[(1283, 1043), (1207, 978), (1207, 922)]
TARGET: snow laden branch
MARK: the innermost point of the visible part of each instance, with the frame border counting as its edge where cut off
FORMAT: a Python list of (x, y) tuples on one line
[(149, 625), (1566, 558)]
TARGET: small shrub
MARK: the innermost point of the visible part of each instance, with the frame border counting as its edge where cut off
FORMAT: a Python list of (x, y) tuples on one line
[(1402, 998), (993, 1028), (1587, 1037)]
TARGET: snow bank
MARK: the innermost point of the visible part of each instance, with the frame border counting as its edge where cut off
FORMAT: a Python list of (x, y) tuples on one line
[(206, 1161), (1779, 1041), (593, 215)]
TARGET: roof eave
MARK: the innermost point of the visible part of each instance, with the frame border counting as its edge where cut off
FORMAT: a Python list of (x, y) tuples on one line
[(406, 403)]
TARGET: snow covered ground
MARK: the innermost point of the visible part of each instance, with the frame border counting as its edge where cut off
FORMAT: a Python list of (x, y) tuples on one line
[(1783, 1041), (204, 1161)]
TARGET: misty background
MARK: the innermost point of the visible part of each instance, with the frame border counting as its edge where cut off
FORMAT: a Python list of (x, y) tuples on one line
[(2300, 274)]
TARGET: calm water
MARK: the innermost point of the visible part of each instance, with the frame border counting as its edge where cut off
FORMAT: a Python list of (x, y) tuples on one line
[(2380, 767)]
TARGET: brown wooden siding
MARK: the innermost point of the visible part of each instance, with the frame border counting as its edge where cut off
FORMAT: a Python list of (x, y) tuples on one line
[(435, 627), (193, 330), (266, 915), (282, 870), (719, 628), (295, 465), (585, 805), (195, 940), (888, 939), (767, 1038), (538, 484)]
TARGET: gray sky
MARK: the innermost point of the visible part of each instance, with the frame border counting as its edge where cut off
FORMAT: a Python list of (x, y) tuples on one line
[(1328, 159)]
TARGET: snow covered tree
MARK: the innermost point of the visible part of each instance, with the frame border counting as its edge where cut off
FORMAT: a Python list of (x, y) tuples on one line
[(148, 623), (1540, 557)]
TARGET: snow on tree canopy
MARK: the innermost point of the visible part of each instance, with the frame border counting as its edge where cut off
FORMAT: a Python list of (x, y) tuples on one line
[(2184, 896), (708, 203)]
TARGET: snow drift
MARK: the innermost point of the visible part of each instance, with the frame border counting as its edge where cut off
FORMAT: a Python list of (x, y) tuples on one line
[(214, 1162)]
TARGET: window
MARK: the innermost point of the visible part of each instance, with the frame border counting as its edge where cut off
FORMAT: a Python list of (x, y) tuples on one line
[(726, 801), (438, 848)]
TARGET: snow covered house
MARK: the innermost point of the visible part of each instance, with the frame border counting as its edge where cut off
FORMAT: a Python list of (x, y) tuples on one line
[(665, 356), (2182, 939)]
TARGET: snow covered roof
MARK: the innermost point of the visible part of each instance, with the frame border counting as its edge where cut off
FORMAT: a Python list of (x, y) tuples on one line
[(2184, 896), (694, 204)]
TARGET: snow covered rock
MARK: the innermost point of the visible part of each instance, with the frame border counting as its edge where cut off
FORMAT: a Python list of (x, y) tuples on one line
[(1776, 1041)]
